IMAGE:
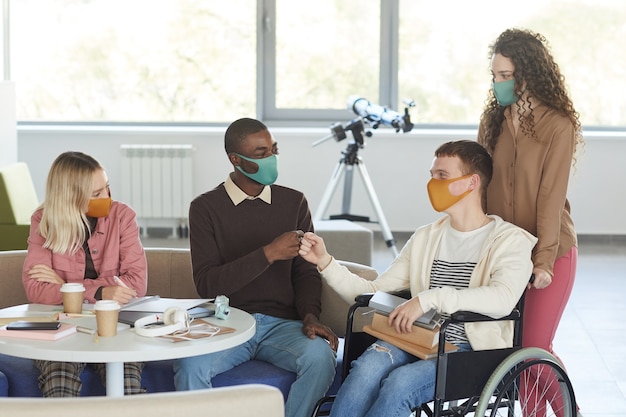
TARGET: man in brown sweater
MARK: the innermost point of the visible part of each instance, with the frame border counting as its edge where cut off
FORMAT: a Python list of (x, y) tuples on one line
[(245, 235)]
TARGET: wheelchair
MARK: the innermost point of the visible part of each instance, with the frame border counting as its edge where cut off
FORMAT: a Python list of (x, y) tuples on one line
[(516, 381)]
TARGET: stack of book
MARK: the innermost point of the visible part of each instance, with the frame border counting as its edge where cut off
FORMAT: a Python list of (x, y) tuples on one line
[(422, 341)]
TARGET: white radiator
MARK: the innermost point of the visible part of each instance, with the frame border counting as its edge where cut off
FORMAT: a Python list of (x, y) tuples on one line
[(157, 182)]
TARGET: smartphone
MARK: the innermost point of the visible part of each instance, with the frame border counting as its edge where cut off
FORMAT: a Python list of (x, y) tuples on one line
[(34, 325)]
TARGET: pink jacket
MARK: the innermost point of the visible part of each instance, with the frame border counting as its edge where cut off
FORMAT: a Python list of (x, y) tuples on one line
[(115, 249)]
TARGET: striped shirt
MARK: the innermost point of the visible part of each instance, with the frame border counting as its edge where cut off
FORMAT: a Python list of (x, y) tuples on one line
[(453, 266)]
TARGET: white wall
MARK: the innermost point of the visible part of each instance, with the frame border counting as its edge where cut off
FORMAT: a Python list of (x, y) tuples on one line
[(397, 163), (8, 133)]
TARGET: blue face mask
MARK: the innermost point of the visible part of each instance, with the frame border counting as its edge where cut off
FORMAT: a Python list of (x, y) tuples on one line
[(505, 92), (267, 172)]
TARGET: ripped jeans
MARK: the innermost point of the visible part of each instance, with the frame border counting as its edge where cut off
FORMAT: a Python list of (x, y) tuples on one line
[(386, 381)]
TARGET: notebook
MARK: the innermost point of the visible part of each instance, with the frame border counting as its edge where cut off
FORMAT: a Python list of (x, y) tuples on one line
[(63, 331), (203, 309)]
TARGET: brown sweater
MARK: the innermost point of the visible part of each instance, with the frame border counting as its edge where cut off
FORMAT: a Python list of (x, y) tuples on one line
[(530, 179), (227, 253)]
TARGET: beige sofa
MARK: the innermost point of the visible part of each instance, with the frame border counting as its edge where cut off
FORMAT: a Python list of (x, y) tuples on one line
[(169, 275), (239, 401)]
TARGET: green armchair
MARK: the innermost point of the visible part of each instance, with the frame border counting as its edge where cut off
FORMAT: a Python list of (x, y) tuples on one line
[(18, 201)]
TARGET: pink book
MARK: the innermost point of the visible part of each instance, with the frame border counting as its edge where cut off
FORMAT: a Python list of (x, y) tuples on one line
[(63, 331)]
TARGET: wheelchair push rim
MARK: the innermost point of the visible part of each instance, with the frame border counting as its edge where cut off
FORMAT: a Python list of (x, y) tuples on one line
[(530, 382)]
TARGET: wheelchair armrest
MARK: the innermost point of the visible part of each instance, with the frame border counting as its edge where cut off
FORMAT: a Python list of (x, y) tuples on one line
[(470, 317), (363, 299), (406, 293)]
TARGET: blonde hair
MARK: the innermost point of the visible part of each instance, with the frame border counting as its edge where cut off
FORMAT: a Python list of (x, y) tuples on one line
[(64, 225)]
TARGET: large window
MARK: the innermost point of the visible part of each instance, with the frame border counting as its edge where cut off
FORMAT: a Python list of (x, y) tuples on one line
[(444, 64), (323, 54), (134, 60), (210, 61)]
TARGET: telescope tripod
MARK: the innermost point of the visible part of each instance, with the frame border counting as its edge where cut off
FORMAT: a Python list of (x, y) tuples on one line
[(346, 165)]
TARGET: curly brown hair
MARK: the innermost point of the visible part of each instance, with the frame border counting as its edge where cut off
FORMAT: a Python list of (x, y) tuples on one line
[(534, 65)]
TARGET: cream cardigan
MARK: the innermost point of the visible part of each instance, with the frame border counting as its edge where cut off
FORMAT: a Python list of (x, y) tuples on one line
[(496, 284)]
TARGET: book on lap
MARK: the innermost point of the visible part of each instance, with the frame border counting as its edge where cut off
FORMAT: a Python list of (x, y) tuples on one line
[(63, 331), (421, 342)]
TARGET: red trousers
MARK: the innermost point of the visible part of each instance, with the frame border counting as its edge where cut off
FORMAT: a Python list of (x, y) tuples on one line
[(543, 310)]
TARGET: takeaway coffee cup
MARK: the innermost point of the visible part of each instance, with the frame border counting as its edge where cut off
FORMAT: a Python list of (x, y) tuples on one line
[(107, 312), (72, 297)]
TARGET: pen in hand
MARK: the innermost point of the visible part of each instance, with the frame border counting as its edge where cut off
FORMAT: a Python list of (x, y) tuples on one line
[(119, 282)]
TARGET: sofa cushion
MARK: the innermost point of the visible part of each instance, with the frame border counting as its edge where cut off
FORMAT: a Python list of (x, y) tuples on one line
[(346, 240), (334, 308), (20, 377), (11, 288), (169, 275), (18, 198), (18, 201), (4, 385)]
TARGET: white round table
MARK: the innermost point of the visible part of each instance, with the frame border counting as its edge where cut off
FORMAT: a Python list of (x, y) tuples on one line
[(126, 346)]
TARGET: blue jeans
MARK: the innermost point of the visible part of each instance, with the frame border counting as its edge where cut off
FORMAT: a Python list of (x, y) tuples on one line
[(277, 341), (386, 381)]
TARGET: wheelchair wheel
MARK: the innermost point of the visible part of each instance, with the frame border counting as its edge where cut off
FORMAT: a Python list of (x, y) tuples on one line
[(529, 383)]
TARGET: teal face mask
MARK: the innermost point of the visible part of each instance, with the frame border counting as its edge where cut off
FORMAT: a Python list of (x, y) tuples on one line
[(505, 92), (267, 172)]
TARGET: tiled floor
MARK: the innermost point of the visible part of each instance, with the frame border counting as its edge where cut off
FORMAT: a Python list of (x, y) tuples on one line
[(591, 339)]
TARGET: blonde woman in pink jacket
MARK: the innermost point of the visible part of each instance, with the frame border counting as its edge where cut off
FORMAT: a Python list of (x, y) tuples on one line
[(80, 235)]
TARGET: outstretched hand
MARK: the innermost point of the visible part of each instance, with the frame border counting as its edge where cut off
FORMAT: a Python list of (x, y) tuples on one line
[(284, 247), (312, 328), (313, 249)]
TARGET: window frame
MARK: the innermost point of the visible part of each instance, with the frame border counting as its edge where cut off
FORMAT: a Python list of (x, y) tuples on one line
[(266, 68)]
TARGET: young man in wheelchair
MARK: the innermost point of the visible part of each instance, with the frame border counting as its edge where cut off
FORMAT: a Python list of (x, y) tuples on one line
[(467, 260)]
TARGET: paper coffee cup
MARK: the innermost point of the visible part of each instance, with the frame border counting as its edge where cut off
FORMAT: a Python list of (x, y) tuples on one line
[(72, 297), (107, 312)]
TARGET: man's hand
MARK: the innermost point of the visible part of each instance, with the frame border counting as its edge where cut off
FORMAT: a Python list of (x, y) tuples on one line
[(44, 273), (313, 249), (312, 327), (284, 247), (403, 316), (542, 279)]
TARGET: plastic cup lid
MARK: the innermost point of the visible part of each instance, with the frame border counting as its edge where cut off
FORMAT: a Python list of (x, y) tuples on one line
[(106, 305), (72, 287)]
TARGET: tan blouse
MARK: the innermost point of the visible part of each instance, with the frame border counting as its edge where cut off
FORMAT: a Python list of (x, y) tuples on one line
[(530, 179)]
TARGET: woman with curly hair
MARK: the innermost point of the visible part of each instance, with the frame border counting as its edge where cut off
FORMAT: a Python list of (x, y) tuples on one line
[(532, 130)]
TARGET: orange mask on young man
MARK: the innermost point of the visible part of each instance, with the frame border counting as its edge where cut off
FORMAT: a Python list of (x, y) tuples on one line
[(439, 193)]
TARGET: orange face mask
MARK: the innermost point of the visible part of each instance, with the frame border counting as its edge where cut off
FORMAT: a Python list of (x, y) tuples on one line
[(100, 207), (439, 193)]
